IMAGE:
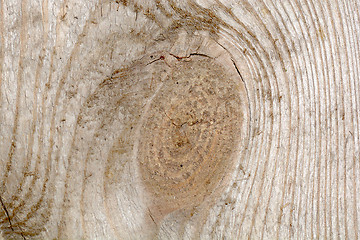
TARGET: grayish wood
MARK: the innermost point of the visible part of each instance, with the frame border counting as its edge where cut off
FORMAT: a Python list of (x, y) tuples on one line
[(169, 119)]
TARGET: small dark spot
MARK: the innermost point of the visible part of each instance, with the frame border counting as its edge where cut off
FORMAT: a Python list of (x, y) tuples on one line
[(131, 127), (76, 17), (177, 82), (181, 165), (151, 56)]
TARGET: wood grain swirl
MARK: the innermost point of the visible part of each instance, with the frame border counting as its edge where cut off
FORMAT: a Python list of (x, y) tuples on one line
[(172, 119)]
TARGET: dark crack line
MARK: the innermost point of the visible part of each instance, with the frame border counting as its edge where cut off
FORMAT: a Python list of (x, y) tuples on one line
[(191, 54), (8, 216), (238, 71), (152, 217), (7, 213), (247, 94), (200, 54)]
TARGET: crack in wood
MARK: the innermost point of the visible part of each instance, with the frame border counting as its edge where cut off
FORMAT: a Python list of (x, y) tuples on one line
[(9, 219)]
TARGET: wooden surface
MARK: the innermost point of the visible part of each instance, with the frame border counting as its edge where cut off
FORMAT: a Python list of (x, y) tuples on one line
[(169, 119)]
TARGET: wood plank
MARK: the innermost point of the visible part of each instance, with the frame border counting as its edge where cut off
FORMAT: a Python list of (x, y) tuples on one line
[(175, 119)]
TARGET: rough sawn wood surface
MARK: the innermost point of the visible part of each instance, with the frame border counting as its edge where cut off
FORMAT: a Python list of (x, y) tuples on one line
[(169, 119)]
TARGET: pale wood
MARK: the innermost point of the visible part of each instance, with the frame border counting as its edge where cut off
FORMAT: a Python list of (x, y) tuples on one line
[(169, 119)]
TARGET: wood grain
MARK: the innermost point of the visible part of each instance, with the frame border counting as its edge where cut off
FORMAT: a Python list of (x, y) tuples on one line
[(173, 119)]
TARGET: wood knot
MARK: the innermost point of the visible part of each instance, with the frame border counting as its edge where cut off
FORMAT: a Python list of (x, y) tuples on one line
[(189, 136)]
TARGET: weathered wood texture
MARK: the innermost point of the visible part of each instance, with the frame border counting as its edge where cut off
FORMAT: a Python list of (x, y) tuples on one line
[(169, 119)]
